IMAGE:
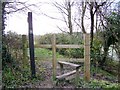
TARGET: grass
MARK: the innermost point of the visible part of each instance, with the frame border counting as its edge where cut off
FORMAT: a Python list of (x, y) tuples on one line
[(43, 53)]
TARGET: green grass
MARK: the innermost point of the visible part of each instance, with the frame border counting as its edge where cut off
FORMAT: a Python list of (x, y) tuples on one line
[(43, 53)]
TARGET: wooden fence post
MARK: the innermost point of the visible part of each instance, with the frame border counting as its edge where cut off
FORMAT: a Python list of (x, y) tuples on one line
[(77, 77), (24, 47), (54, 56), (61, 69), (87, 57)]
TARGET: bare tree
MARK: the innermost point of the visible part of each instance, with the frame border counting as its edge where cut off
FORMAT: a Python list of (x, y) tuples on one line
[(82, 16), (93, 8), (65, 10), (110, 23), (17, 6)]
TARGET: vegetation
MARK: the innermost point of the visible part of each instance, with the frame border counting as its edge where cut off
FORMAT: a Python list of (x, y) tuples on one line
[(99, 84), (100, 80), (104, 70), (13, 71), (14, 75), (42, 53), (63, 38)]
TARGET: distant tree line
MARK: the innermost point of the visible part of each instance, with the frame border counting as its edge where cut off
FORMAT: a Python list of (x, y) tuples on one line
[(64, 38)]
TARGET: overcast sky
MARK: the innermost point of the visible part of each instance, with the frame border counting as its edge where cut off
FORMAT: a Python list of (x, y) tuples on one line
[(17, 22)]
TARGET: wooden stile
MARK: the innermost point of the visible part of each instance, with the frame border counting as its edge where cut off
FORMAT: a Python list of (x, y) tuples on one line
[(70, 74), (86, 59)]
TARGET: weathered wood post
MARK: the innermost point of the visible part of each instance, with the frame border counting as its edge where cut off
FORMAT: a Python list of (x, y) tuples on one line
[(77, 76), (61, 69), (24, 47), (31, 44), (87, 57), (54, 56)]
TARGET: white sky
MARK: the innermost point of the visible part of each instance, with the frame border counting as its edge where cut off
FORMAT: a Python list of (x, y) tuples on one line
[(42, 25), (17, 22)]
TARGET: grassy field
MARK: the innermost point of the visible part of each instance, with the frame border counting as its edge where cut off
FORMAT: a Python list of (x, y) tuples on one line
[(42, 53)]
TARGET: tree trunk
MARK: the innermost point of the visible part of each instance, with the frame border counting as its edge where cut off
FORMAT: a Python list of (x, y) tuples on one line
[(92, 22), (69, 19), (82, 17)]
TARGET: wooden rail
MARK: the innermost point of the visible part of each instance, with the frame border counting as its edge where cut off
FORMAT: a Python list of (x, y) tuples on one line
[(44, 46), (86, 58), (61, 59), (71, 59), (66, 74), (69, 46), (59, 46), (69, 64)]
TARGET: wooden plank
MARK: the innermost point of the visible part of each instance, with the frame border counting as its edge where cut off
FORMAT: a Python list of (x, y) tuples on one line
[(54, 56), (70, 77), (69, 46), (62, 59), (71, 59), (70, 64), (66, 74), (58, 46), (43, 46), (87, 57), (76, 76)]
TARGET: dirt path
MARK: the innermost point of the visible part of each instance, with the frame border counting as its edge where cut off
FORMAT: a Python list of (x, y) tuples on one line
[(48, 83), (46, 67)]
